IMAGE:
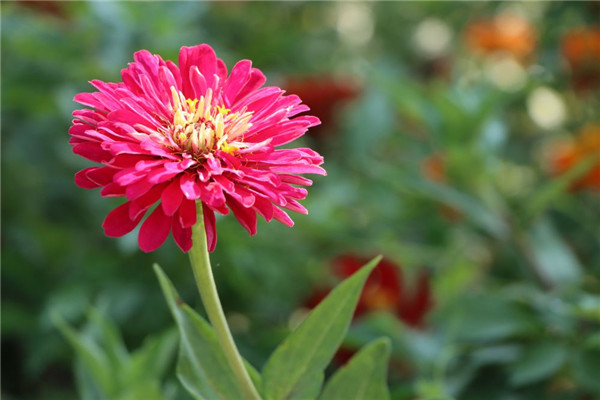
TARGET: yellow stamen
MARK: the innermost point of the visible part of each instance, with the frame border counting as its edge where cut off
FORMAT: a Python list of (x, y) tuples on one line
[(191, 104), (201, 128), (222, 110)]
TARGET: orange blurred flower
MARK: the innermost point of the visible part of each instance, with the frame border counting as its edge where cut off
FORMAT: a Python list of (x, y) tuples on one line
[(566, 155), (505, 33), (581, 50), (434, 169), (324, 95)]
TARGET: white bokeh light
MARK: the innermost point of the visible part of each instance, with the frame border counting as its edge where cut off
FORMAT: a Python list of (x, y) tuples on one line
[(432, 37), (355, 23), (546, 108), (506, 73)]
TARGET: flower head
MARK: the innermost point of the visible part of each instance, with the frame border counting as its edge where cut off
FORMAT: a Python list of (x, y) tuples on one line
[(170, 135)]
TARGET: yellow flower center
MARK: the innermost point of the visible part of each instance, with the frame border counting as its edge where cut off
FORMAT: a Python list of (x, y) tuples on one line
[(200, 128)]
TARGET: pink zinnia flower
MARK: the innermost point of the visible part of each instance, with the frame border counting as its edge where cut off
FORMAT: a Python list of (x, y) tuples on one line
[(174, 135)]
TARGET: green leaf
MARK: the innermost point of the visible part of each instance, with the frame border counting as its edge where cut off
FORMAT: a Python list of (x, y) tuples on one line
[(553, 257), (479, 214), (202, 367), (150, 362), (556, 187), (364, 377), (291, 370), (93, 358), (491, 317), (539, 361), (110, 338), (86, 387), (146, 391), (254, 374), (586, 363)]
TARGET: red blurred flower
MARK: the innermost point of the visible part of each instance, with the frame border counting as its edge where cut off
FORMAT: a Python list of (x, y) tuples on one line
[(565, 155), (324, 95), (174, 135), (51, 8), (505, 33), (384, 290), (581, 49)]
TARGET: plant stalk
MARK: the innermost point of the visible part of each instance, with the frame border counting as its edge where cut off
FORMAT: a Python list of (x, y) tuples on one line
[(202, 269)]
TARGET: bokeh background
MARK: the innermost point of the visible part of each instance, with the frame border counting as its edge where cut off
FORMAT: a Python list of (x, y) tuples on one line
[(461, 142)]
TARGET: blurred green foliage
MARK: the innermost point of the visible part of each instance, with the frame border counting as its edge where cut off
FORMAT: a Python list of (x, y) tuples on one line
[(514, 253)]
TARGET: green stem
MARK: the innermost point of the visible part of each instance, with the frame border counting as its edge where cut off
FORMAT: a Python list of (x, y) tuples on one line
[(210, 298)]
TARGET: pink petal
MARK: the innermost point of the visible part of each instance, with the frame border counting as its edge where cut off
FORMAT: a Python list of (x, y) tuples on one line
[(282, 217), (113, 190), (138, 189), (202, 56), (187, 213), (212, 194), (154, 230), (190, 187), (295, 180), (182, 236), (83, 180), (246, 216), (264, 207), (210, 226), (92, 151), (238, 77), (255, 80), (198, 82), (171, 197), (300, 169), (144, 202), (117, 223)]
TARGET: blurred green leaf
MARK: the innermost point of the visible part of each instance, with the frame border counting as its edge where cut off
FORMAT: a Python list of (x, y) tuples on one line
[(110, 338), (307, 351), (152, 360), (93, 358), (469, 206), (486, 318), (538, 361), (105, 368), (556, 187), (552, 256), (143, 390), (364, 377), (202, 367), (586, 364)]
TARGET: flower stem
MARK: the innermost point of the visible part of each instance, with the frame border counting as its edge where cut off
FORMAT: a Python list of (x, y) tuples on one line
[(210, 298)]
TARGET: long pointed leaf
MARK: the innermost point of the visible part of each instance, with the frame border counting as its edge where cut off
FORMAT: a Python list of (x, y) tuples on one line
[(292, 369), (202, 367), (364, 377), (93, 358)]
